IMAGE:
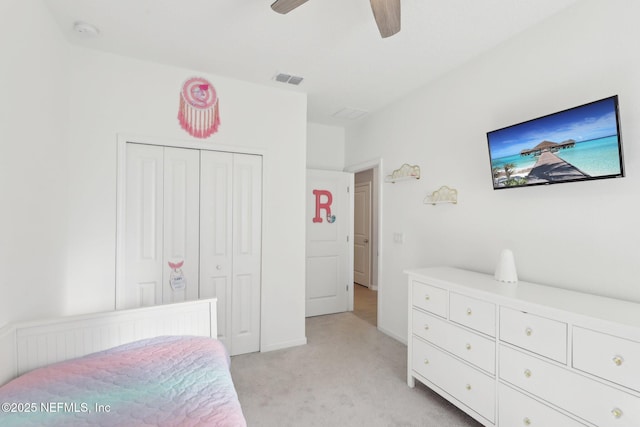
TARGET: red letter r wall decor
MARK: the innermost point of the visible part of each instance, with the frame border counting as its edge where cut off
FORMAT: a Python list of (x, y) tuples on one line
[(326, 205)]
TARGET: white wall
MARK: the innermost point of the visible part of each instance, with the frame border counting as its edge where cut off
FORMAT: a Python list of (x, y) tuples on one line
[(583, 235), (74, 257), (33, 117), (325, 147), (140, 98)]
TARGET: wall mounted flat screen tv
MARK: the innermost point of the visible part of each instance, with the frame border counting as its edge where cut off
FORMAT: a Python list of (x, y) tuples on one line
[(578, 144)]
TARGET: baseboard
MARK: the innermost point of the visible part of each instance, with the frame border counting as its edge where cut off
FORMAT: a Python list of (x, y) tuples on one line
[(403, 340), (282, 345)]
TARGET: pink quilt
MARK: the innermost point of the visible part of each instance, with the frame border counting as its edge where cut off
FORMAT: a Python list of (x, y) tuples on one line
[(163, 381)]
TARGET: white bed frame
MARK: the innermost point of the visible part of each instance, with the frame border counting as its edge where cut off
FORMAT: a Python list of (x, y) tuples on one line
[(29, 345)]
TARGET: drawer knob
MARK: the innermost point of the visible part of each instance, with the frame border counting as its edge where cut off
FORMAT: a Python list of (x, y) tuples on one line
[(468, 346), (469, 312), (618, 360), (426, 327), (616, 412), (426, 361), (526, 421), (427, 298), (528, 331), (468, 387), (527, 373)]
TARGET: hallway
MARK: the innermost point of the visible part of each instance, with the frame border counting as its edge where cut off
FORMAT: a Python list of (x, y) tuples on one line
[(365, 304)]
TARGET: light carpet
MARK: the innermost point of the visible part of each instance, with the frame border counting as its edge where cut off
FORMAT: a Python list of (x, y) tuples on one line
[(349, 374)]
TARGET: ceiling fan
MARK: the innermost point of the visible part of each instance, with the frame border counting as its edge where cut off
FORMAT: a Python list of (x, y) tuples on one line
[(385, 12)]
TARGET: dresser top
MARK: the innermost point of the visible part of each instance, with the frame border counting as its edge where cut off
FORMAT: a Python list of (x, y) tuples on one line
[(525, 293)]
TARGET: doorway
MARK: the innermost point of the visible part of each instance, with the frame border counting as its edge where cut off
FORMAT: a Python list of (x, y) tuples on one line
[(329, 271), (366, 245)]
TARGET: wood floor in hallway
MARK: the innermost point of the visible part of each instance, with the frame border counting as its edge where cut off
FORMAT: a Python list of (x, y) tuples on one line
[(365, 304)]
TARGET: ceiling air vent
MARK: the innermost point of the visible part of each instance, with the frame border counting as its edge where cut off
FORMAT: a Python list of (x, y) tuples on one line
[(288, 78), (350, 113)]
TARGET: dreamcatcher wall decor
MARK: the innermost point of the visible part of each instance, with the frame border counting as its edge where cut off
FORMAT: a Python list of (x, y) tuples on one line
[(199, 114)]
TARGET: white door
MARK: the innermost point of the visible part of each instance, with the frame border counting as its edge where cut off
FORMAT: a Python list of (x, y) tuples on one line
[(362, 235), (195, 215), (143, 221), (230, 245), (181, 224), (329, 268), (216, 228), (161, 225), (247, 247)]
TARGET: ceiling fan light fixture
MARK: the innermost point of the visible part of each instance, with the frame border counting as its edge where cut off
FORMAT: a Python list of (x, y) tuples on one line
[(385, 12)]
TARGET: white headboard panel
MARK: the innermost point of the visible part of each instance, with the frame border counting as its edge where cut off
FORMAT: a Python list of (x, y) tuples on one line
[(30, 345), (8, 364)]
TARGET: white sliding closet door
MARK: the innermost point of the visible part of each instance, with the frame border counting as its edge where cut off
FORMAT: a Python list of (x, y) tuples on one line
[(230, 245)]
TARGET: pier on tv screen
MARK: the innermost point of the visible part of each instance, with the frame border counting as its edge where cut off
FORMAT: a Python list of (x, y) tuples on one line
[(578, 144)]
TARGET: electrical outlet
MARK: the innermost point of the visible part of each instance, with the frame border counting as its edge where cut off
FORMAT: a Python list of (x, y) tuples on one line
[(398, 237)]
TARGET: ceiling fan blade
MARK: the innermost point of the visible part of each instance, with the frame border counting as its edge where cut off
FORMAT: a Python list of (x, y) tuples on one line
[(387, 15), (286, 6)]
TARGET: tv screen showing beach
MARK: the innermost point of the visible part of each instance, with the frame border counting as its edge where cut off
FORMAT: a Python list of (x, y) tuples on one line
[(577, 144)]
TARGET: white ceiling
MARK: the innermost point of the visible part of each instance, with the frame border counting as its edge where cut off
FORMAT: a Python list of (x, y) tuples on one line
[(334, 44)]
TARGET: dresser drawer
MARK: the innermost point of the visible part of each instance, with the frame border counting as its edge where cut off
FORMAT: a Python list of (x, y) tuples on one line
[(473, 313), (517, 409), (590, 400), (468, 385), (473, 348), (537, 334), (429, 298), (606, 356)]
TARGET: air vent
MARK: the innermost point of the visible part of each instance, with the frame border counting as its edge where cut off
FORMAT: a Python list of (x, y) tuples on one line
[(350, 113), (295, 80), (288, 78)]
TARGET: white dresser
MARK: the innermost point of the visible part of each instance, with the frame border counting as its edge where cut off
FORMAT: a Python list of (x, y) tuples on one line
[(524, 355)]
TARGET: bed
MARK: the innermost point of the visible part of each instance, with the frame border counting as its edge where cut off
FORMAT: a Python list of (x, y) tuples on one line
[(155, 366)]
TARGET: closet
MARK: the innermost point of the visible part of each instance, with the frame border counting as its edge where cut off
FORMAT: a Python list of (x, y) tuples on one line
[(191, 228)]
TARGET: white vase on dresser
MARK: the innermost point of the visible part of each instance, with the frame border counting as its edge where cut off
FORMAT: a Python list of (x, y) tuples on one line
[(525, 355)]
